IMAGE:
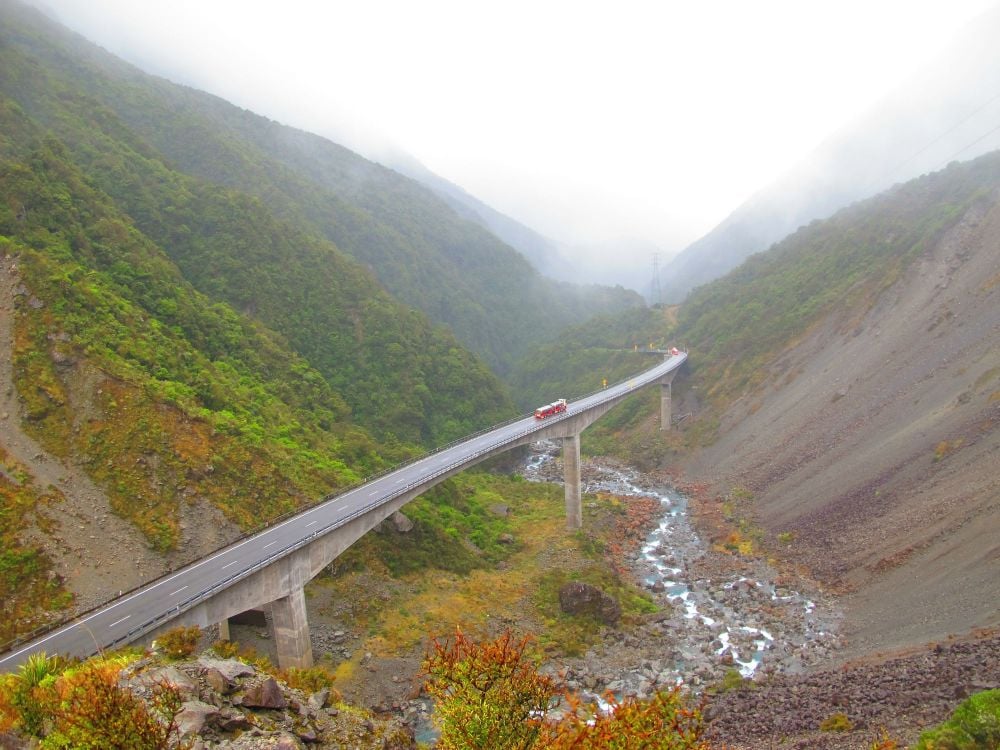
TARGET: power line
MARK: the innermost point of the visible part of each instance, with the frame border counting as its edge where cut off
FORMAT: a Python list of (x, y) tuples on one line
[(948, 132), (966, 148)]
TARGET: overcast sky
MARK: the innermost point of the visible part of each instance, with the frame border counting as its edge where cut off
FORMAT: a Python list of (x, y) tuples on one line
[(588, 121)]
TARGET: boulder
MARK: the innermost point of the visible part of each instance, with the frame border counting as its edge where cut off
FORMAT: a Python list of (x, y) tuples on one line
[(217, 681), (266, 694), (170, 677), (193, 716), (578, 598), (401, 523), (230, 669)]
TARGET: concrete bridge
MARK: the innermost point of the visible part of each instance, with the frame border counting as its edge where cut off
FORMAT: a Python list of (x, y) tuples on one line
[(273, 566)]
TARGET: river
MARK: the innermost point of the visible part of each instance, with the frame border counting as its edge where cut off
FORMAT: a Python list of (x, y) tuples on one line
[(720, 612)]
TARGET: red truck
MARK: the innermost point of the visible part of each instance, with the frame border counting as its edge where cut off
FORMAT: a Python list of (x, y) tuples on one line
[(549, 409)]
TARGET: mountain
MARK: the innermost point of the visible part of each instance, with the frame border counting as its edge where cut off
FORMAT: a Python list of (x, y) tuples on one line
[(948, 110), (423, 252), (843, 403), (541, 251), (179, 362)]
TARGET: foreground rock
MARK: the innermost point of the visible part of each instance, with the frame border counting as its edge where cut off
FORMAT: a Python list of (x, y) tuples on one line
[(231, 705)]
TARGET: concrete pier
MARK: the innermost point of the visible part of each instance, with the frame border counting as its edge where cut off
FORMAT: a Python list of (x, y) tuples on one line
[(291, 630), (571, 480), (277, 578), (665, 397)]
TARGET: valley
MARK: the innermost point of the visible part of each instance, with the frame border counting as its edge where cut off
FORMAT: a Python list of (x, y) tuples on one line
[(210, 320)]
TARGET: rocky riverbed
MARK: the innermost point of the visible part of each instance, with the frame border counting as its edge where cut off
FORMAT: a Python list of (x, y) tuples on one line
[(720, 612)]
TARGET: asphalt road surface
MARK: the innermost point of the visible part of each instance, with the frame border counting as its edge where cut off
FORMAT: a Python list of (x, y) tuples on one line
[(126, 618)]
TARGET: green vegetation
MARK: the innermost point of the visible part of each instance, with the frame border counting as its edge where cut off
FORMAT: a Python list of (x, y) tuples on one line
[(606, 348), (572, 634), (65, 706), (180, 642), (139, 138), (836, 722), (457, 527), (31, 595), (975, 725)]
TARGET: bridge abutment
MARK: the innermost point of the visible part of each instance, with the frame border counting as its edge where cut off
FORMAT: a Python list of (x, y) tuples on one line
[(571, 481)]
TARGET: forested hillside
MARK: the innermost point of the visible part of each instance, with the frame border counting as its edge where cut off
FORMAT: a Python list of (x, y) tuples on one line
[(423, 252), (195, 360)]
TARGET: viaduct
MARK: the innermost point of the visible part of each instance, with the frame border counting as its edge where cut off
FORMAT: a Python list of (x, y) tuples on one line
[(272, 567)]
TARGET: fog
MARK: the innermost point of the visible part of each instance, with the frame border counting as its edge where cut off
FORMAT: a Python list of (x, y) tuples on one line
[(616, 130)]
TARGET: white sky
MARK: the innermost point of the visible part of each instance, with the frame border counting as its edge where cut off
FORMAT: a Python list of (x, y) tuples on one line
[(588, 121)]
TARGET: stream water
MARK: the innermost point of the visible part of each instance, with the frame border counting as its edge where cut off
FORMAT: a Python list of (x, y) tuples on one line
[(711, 623)]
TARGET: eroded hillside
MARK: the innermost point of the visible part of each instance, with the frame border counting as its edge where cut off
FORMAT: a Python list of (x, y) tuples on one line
[(874, 445)]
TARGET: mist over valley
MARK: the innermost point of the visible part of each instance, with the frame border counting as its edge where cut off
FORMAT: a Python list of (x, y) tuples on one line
[(210, 321)]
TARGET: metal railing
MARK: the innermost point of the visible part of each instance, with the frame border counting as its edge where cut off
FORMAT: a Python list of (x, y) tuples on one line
[(303, 541)]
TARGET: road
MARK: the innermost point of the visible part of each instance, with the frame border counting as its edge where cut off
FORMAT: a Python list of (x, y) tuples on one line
[(124, 618)]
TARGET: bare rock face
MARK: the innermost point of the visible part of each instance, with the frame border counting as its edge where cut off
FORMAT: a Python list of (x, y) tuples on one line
[(229, 669), (266, 694), (578, 598), (170, 677), (193, 716)]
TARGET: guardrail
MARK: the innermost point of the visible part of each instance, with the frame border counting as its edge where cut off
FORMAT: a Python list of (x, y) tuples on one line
[(303, 541)]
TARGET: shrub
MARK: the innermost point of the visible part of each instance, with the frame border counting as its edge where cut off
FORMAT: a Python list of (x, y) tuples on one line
[(490, 696), (884, 742), (25, 702), (309, 679), (664, 722), (180, 642), (837, 722), (487, 696), (975, 725), (226, 649), (90, 709), (731, 680)]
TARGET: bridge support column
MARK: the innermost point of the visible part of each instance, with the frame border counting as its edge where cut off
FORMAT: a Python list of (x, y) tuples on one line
[(665, 415), (571, 481), (224, 629), (291, 630)]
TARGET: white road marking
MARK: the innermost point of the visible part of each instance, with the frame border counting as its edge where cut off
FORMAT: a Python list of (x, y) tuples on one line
[(269, 544), (119, 622), (456, 456), (175, 593), (229, 565)]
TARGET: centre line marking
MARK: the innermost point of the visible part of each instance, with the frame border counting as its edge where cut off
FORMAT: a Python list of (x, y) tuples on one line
[(311, 523), (269, 544), (177, 591), (119, 622), (229, 564)]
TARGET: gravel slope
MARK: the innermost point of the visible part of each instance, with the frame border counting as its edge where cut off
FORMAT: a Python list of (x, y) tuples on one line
[(877, 446)]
